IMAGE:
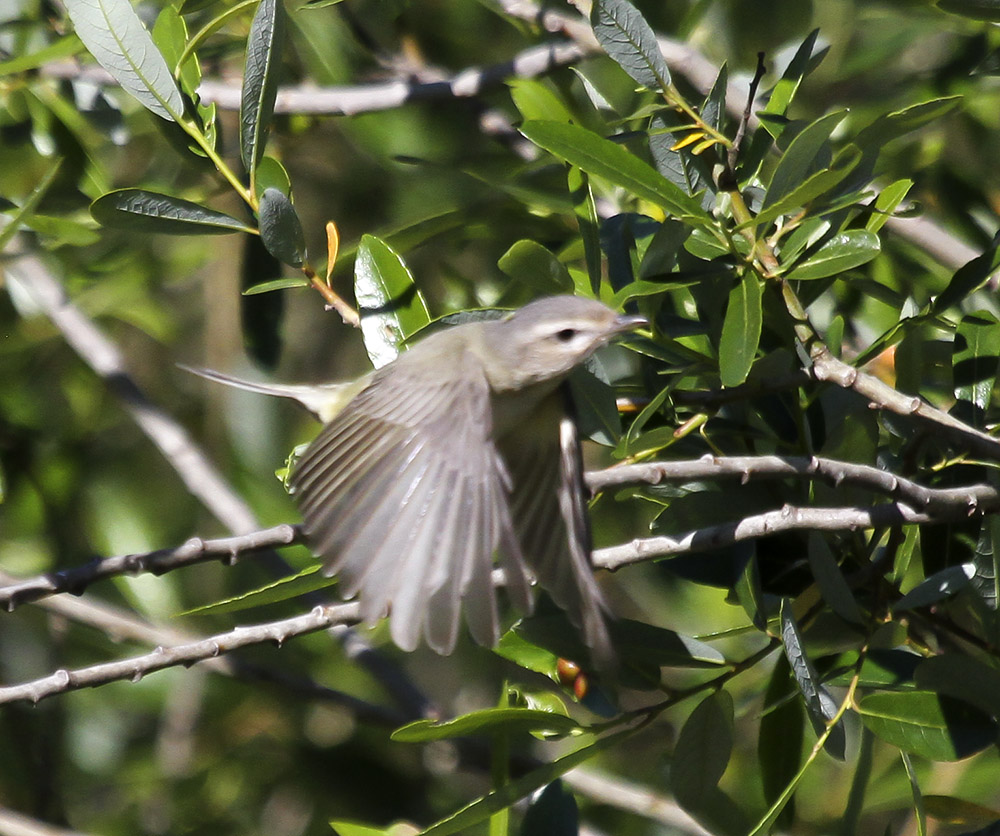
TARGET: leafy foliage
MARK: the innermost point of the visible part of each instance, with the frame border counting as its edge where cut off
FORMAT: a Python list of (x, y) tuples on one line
[(820, 633)]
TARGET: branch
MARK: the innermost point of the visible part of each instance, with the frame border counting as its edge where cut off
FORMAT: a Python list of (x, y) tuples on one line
[(972, 499), (120, 625), (940, 504), (789, 518), (136, 667), (77, 578)]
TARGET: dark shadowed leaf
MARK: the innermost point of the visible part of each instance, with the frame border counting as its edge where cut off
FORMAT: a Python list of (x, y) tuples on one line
[(962, 677), (830, 580), (937, 587), (260, 80), (926, 724), (552, 813), (280, 228), (631, 43), (974, 9), (779, 742), (808, 153), (143, 211), (115, 36), (968, 277), (391, 307)]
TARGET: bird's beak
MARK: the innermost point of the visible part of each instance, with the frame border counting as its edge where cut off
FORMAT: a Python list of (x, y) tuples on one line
[(629, 322)]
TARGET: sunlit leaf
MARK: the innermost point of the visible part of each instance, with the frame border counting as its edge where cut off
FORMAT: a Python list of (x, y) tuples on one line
[(487, 721), (740, 330), (115, 36), (391, 306), (841, 253)]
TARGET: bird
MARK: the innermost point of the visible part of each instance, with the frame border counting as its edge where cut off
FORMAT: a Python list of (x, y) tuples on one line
[(462, 449)]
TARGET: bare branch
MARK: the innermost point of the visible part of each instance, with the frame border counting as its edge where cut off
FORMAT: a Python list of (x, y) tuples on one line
[(972, 499), (136, 667), (195, 550), (789, 518)]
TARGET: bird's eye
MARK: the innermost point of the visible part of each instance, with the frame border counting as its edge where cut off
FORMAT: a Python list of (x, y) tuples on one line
[(565, 335)]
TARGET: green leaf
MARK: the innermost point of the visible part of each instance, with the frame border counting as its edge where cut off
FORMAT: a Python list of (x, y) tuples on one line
[(779, 741), (885, 204), (806, 154), (63, 47), (589, 222), (937, 587), (487, 721), (596, 406), (900, 122), (603, 158), (963, 677), (527, 654), (631, 43), (271, 174), (115, 36), (260, 81), (392, 308), (968, 277), (143, 211), (529, 262), (926, 724), (513, 791), (552, 813), (538, 99), (947, 808), (740, 330), (820, 705), (342, 827), (781, 95), (283, 589), (22, 215), (831, 580), (842, 252), (280, 228), (702, 751), (813, 187), (276, 284), (975, 358)]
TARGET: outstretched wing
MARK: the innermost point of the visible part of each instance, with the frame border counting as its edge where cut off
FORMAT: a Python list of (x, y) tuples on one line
[(405, 498), (549, 510)]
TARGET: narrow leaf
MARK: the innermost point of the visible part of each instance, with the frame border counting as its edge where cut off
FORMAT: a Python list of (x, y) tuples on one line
[(280, 228), (968, 277), (962, 677), (842, 252), (803, 157), (831, 580), (603, 158), (144, 211), (820, 706), (740, 330), (391, 306), (260, 80), (937, 587), (783, 92), (926, 724), (487, 721), (628, 39), (115, 36), (885, 204), (276, 284)]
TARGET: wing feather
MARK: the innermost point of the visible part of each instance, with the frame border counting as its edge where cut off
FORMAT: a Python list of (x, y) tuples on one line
[(406, 498)]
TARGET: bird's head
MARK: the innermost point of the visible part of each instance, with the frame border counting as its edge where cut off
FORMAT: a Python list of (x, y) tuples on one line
[(546, 339)]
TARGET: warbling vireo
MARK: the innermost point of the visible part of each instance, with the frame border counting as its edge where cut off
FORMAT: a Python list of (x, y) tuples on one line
[(460, 449)]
